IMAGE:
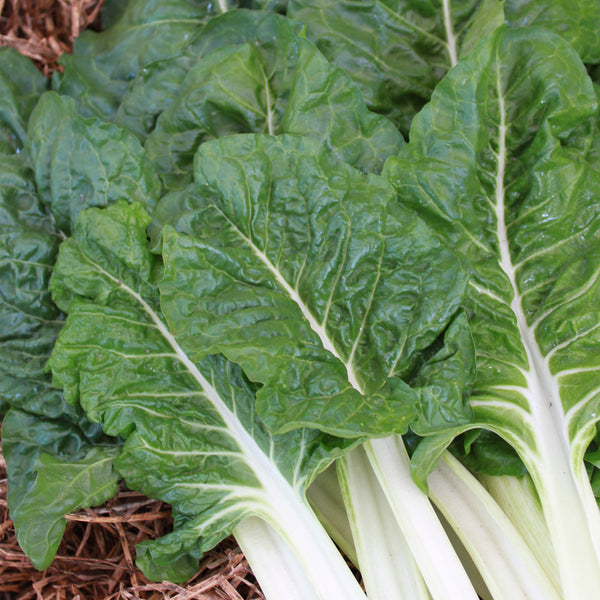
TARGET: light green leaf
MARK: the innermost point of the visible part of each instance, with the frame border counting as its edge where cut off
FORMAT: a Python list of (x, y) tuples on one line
[(83, 162), (510, 177), (328, 292), (191, 433)]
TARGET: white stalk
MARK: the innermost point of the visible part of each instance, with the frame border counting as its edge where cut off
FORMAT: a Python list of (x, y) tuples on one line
[(388, 568), (517, 498), (277, 570), (325, 497), (274, 499), (442, 570), (292, 518), (507, 565)]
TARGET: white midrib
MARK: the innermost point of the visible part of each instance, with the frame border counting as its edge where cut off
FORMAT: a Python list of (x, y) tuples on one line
[(450, 37), (553, 473), (319, 329), (283, 508)]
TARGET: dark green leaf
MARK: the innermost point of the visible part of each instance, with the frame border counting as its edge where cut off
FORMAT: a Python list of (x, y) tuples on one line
[(83, 162)]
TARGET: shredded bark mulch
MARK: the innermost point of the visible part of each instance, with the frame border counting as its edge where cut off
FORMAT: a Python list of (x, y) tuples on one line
[(96, 558), (45, 29)]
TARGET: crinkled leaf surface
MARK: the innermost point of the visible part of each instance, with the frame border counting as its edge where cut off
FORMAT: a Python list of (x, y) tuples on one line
[(510, 177), (98, 72), (54, 467), (191, 433), (20, 86), (398, 50), (270, 81), (29, 321), (308, 274), (157, 84), (395, 50), (84, 162), (578, 22)]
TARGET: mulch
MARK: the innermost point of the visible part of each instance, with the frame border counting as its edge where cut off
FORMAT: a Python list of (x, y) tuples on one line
[(96, 558), (45, 29)]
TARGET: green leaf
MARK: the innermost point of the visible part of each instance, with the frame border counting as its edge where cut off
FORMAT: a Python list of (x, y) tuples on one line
[(577, 22), (396, 51), (60, 488), (192, 437), (29, 320), (54, 466), (509, 176), (328, 292), (83, 162), (294, 90), (98, 72), (20, 86)]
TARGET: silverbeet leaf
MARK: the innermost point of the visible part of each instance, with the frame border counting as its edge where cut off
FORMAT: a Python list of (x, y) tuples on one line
[(397, 51), (103, 64), (308, 274), (518, 196), (29, 320), (54, 467), (84, 162), (20, 86), (190, 430), (271, 80)]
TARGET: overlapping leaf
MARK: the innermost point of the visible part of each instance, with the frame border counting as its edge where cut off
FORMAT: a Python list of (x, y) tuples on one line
[(294, 90), (398, 50), (84, 162), (306, 272), (54, 467), (517, 194), (192, 436), (140, 32), (20, 86)]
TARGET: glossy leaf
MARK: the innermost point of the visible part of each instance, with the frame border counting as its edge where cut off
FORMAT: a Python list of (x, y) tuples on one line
[(191, 433), (398, 50), (54, 466), (29, 321), (84, 162), (306, 272), (395, 50), (20, 86), (516, 194)]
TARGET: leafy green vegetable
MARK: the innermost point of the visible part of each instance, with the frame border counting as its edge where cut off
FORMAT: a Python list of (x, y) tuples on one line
[(245, 309), (516, 196), (85, 162), (398, 50), (20, 86), (328, 290), (140, 32), (192, 436), (295, 90)]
